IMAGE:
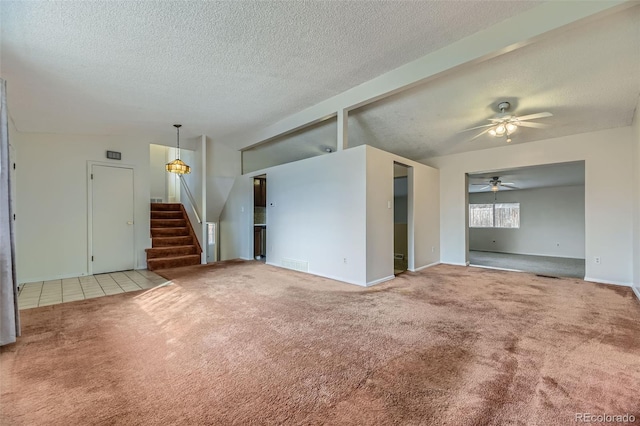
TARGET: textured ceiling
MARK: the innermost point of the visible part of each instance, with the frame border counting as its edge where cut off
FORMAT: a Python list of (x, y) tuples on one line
[(216, 67), (562, 174), (588, 77)]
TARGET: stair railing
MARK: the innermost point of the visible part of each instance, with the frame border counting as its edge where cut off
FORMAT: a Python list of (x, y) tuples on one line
[(191, 200)]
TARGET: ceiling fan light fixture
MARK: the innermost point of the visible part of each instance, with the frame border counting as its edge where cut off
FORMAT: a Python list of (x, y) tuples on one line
[(492, 132), (495, 188), (500, 129), (511, 128)]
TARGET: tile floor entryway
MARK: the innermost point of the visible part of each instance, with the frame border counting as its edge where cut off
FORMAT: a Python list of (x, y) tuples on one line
[(33, 295)]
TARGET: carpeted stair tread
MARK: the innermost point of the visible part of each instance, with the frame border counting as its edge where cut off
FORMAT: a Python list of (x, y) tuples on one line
[(171, 251), (168, 223), (171, 241), (168, 214), (169, 232), (173, 262), (166, 207)]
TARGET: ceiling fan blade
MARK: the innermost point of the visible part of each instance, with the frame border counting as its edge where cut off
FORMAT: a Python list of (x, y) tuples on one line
[(534, 116), (534, 125), (507, 183), (487, 186), (509, 186), (478, 184), (479, 134), (477, 127)]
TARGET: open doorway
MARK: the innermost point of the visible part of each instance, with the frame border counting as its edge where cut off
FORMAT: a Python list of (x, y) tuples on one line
[(400, 218), (260, 218), (529, 219)]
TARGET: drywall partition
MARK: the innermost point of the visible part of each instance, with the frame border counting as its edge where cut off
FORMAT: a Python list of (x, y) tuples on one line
[(315, 215), (157, 172), (330, 215), (223, 166), (195, 182), (608, 208), (236, 220), (423, 214), (551, 223), (51, 225)]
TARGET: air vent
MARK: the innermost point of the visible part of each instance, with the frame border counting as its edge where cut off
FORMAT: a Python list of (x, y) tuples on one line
[(297, 265), (156, 200)]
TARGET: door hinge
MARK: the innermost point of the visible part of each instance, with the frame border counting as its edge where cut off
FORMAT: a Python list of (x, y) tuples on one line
[(14, 216), (14, 166), (91, 175), (92, 258)]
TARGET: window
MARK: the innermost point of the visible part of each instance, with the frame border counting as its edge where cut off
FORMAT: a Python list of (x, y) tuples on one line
[(497, 215)]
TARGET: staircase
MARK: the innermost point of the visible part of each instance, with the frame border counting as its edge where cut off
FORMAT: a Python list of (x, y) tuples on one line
[(173, 241)]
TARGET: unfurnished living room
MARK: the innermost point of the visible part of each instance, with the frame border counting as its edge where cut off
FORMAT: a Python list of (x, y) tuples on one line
[(320, 212)]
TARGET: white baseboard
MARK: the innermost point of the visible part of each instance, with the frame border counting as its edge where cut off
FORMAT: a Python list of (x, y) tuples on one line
[(424, 267), (381, 280), (636, 290), (454, 263), (599, 281), (331, 277), (245, 258)]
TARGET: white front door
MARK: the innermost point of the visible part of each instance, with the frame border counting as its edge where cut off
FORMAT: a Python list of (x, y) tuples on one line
[(112, 219)]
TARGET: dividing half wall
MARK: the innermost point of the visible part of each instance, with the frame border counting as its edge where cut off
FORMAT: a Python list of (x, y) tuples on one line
[(332, 216)]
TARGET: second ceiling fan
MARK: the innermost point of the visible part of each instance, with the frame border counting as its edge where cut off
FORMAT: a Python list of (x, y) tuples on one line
[(495, 184)]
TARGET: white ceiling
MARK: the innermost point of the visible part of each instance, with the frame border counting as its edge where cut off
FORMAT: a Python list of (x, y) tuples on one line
[(588, 77), (562, 174), (217, 67)]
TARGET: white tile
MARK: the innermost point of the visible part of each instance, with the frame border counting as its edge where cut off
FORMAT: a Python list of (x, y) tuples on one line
[(72, 298)]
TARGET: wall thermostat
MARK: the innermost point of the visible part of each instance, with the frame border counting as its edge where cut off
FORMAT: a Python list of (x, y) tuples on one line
[(114, 155)]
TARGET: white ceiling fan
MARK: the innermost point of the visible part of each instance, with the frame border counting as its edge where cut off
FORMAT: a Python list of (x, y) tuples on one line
[(505, 124), (495, 184)]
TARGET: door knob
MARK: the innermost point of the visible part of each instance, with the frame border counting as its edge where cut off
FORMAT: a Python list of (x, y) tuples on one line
[(130, 222)]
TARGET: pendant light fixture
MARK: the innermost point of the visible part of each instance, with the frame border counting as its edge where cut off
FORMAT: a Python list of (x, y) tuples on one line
[(177, 165)]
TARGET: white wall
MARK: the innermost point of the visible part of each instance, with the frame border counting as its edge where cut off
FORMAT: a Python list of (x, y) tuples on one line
[(196, 182), (157, 171), (608, 205), (332, 212), (551, 223), (423, 217), (223, 166), (636, 179), (318, 217), (236, 221), (51, 195)]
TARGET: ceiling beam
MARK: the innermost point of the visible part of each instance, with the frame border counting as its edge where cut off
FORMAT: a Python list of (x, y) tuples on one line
[(514, 33)]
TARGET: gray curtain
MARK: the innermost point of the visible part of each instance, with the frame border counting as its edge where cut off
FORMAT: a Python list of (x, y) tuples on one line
[(9, 315)]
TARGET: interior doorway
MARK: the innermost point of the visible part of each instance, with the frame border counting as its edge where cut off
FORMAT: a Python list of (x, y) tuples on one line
[(529, 219), (111, 219), (260, 218), (400, 218)]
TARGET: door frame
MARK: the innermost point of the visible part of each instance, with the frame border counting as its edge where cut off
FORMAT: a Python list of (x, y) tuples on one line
[(90, 165), (410, 217)]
